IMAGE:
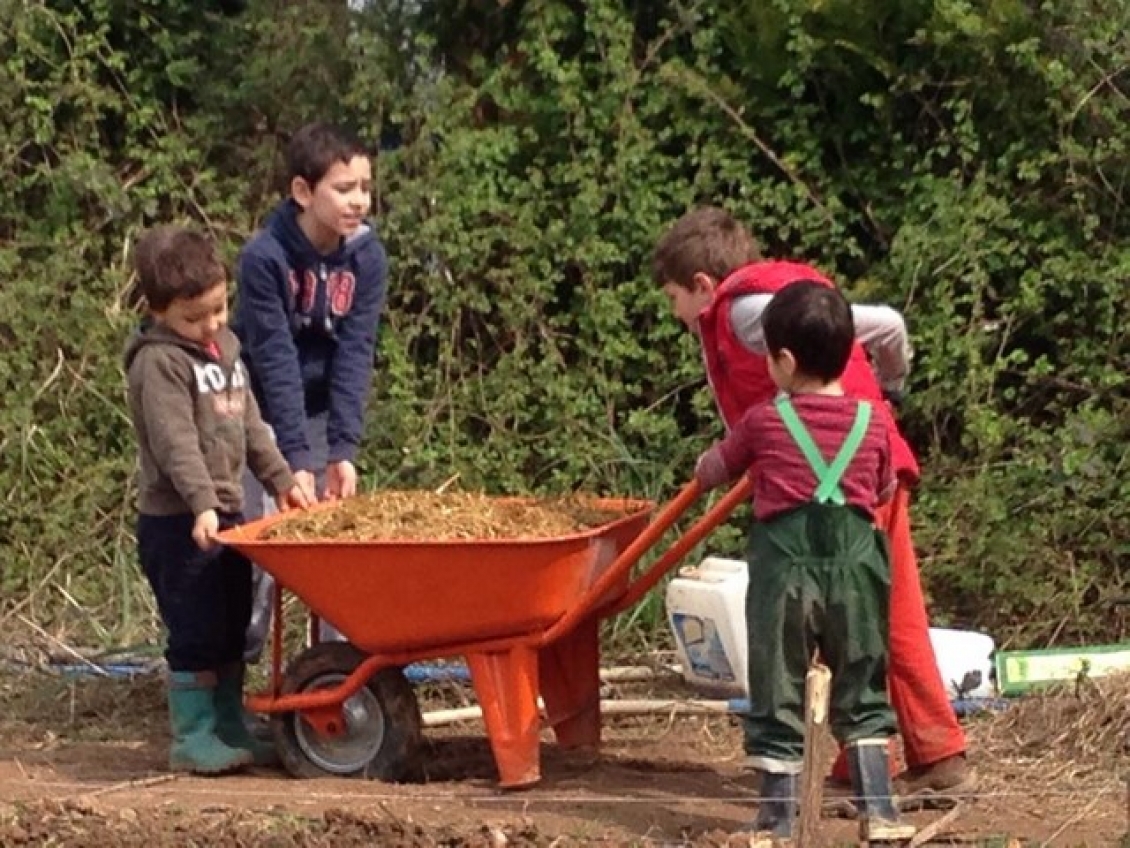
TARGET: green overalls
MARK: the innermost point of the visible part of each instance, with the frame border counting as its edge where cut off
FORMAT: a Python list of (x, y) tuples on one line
[(819, 578)]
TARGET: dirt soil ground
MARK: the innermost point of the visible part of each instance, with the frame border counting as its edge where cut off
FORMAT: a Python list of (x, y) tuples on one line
[(82, 763)]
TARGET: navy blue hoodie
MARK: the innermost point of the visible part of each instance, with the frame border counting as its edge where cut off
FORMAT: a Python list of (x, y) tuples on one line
[(308, 324)]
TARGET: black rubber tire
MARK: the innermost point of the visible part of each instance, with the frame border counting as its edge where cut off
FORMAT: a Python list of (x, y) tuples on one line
[(387, 701)]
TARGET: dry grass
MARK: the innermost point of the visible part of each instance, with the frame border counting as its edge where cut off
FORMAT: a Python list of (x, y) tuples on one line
[(1066, 747), (432, 516), (1086, 724)]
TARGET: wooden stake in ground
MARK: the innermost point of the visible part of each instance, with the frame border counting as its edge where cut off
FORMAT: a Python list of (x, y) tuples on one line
[(817, 693)]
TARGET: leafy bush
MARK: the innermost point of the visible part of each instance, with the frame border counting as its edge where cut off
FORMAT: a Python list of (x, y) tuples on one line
[(964, 164)]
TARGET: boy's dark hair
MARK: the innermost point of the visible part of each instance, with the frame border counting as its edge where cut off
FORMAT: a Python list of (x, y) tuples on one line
[(705, 240), (175, 263), (813, 322), (150, 244), (314, 149)]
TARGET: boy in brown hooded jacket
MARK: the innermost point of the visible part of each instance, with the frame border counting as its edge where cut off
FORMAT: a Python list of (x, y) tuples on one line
[(197, 425)]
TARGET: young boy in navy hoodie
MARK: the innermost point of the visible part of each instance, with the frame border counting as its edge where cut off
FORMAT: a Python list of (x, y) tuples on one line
[(312, 288)]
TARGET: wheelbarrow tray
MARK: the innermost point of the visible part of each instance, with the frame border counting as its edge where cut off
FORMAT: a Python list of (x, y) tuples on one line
[(390, 595), (525, 613)]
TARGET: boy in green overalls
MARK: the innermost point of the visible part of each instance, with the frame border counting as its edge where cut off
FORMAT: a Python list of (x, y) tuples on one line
[(819, 569)]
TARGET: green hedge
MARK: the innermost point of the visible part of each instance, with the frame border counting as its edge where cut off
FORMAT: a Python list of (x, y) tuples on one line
[(964, 162)]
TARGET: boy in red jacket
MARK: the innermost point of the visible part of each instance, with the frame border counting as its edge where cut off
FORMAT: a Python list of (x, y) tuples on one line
[(718, 285)]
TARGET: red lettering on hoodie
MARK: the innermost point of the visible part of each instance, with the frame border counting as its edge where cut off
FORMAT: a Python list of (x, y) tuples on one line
[(292, 287), (309, 292), (341, 286)]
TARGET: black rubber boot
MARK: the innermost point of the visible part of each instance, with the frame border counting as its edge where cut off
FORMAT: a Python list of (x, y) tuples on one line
[(870, 775), (777, 808)]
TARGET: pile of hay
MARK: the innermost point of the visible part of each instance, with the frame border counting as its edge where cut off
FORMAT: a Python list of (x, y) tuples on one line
[(430, 516), (1080, 728)]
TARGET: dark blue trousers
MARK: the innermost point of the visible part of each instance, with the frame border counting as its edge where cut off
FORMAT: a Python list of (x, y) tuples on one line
[(204, 597)]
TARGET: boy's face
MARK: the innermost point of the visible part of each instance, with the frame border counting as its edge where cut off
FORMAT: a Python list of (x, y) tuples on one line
[(687, 303), (197, 319), (336, 205)]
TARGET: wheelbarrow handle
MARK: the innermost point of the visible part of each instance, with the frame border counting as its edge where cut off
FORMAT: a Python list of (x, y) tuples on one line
[(654, 531), (702, 528)]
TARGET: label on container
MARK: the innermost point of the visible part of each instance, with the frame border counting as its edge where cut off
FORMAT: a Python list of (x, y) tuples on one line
[(702, 644), (1019, 671)]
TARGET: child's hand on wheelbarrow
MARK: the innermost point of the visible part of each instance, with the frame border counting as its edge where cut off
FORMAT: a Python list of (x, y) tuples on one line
[(294, 498), (205, 528), (308, 483), (341, 480)]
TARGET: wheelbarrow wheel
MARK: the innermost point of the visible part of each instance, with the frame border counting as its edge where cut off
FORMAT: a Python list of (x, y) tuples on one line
[(382, 720)]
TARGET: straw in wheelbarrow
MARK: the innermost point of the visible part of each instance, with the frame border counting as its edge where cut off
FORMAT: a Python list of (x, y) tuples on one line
[(422, 515)]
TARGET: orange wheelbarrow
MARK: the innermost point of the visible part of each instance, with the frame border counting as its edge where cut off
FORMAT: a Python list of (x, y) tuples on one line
[(524, 614)]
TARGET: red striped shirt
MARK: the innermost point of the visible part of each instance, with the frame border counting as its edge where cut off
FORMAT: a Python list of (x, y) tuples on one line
[(783, 479)]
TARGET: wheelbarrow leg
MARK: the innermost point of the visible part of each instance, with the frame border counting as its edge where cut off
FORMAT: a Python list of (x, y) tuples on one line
[(506, 683), (569, 670)]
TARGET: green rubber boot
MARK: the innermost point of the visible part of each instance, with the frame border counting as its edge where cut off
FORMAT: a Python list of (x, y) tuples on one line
[(232, 720), (192, 714)]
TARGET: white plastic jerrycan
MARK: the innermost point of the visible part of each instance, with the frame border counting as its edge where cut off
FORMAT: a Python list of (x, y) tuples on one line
[(706, 612)]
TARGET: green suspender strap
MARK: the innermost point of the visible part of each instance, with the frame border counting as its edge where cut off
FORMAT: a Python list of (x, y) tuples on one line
[(827, 476)]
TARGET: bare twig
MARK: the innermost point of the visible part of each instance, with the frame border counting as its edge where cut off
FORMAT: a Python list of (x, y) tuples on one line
[(446, 484), (1083, 813), (1107, 81), (52, 377), (30, 596), (132, 784), (700, 87), (935, 827), (681, 26), (64, 646), (93, 621)]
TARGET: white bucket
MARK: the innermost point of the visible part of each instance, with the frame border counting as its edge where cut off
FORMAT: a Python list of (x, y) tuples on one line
[(706, 612)]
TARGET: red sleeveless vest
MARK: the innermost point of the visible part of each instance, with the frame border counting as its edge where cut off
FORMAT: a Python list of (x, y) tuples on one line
[(740, 378)]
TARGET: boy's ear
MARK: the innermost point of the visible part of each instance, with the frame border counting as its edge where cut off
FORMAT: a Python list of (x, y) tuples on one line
[(301, 191), (785, 360), (703, 283)]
